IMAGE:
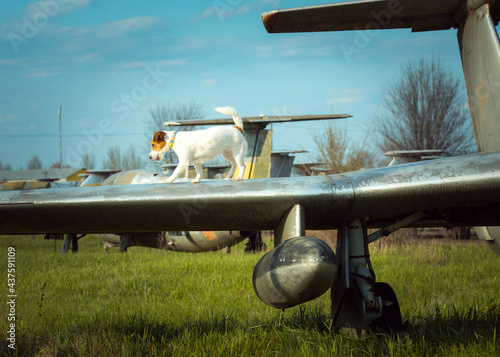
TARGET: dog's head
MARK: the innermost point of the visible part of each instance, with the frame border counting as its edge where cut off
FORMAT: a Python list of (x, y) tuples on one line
[(159, 146)]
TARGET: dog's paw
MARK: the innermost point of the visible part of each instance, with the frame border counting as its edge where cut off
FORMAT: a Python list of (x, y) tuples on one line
[(169, 180), (237, 179), (195, 181)]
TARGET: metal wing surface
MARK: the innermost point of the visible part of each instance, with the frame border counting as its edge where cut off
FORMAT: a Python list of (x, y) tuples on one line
[(423, 15), (451, 191)]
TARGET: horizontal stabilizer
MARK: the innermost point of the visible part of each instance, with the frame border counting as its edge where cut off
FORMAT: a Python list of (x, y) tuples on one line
[(262, 120), (423, 15)]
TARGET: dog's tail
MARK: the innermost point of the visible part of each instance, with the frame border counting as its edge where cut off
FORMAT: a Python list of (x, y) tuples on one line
[(232, 113)]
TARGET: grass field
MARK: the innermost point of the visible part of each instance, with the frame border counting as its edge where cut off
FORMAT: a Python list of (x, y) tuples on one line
[(154, 303)]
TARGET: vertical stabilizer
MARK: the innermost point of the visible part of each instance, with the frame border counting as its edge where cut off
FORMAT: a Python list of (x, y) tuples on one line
[(480, 52)]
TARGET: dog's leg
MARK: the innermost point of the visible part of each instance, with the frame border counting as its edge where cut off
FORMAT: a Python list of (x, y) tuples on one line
[(240, 161), (181, 167), (199, 171), (228, 155), (242, 167)]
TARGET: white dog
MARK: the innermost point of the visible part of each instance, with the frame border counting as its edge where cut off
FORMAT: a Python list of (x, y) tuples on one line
[(201, 146)]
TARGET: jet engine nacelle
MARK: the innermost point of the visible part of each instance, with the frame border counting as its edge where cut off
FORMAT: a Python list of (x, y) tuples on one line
[(296, 271)]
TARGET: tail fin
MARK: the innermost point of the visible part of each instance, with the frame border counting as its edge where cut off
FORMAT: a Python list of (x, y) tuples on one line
[(232, 113), (480, 51)]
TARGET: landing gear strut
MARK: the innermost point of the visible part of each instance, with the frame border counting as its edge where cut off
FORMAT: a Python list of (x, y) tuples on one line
[(360, 303)]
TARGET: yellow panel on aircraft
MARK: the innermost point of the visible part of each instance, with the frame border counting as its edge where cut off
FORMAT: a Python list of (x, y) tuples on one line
[(259, 165), (262, 162), (76, 176), (23, 185)]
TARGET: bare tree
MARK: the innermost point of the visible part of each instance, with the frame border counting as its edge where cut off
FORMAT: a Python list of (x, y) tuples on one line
[(114, 158), (131, 160), (338, 153), (57, 165), (175, 112), (34, 163), (88, 160), (6, 167), (426, 110)]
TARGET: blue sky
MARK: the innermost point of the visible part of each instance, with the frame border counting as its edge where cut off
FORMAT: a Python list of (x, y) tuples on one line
[(108, 62)]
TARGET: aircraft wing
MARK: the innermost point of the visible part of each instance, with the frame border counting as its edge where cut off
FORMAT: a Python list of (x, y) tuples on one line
[(453, 191), (406, 153), (262, 120), (423, 15)]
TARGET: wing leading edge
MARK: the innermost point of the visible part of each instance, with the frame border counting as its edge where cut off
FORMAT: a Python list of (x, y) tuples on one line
[(456, 191)]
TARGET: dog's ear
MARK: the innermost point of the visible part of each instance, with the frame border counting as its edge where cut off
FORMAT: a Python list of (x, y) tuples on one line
[(158, 141), (159, 136)]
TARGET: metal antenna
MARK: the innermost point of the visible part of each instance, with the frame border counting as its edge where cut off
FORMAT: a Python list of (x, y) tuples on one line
[(60, 135)]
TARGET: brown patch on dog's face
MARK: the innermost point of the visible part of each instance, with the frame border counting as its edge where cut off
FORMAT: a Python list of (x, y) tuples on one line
[(158, 142)]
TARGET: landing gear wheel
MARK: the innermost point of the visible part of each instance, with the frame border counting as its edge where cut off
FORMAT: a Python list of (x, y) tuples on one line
[(391, 320)]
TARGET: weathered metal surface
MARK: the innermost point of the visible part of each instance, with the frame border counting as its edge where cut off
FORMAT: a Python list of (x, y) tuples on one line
[(466, 183), (195, 241), (161, 207), (480, 54), (423, 15), (298, 270), (292, 225), (202, 241)]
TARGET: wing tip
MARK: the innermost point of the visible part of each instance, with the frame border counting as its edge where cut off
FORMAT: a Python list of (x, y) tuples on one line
[(269, 19)]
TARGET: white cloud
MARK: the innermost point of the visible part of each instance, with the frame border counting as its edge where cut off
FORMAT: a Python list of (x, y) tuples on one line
[(312, 46), (162, 63), (271, 2), (404, 43), (223, 10), (118, 28), (8, 62), (53, 8), (347, 96), (89, 57), (190, 43), (242, 10), (279, 51), (209, 82), (208, 12), (6, 118), (344, 100), (37, 74)]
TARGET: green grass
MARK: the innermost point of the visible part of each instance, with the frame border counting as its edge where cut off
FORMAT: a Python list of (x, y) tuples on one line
[(154, 303)]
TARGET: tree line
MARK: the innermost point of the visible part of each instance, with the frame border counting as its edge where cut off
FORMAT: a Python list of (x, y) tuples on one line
[(425, 108)]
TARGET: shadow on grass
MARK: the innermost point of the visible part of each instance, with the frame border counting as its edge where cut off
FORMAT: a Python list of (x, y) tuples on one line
[(144, 336), (457, 327)]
